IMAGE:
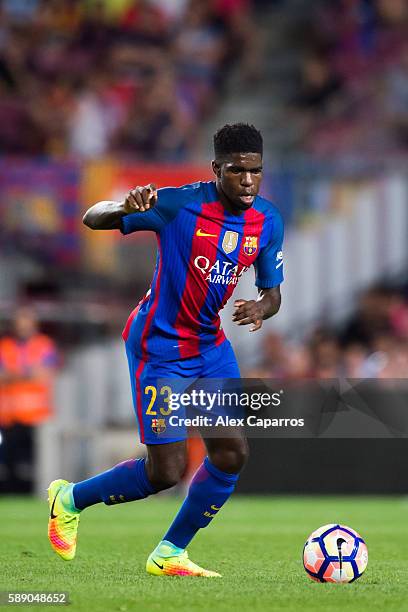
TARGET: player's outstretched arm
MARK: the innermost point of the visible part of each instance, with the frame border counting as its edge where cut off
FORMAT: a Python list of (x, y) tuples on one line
[(108, 214), (256, 311)]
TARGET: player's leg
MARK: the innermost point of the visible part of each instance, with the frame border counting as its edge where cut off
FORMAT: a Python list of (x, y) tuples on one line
[(135, 478), (210, 488), (215, 479), (128, 481)]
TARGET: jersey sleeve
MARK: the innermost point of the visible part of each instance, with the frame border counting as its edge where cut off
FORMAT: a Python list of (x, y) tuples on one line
[(169, 201), (269, 263)]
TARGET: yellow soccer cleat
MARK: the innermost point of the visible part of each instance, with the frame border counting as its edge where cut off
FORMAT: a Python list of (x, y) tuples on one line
[(176, 566), (63, 522)]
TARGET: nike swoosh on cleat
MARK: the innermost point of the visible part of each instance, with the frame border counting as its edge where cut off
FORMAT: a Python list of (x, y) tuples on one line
[(159, 566), (53, 516), (203, 234)]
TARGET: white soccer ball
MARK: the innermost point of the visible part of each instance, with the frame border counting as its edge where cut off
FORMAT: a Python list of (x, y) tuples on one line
[(335, 553)]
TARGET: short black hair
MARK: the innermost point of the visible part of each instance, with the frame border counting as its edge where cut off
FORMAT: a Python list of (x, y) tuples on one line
[(237, 138)]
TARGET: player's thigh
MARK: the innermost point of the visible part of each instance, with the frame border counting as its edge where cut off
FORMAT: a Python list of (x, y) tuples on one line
[(220, 378), (227, 446), (151, 394)]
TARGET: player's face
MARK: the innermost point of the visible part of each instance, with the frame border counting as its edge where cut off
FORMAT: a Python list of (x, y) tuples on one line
[(239, 177)]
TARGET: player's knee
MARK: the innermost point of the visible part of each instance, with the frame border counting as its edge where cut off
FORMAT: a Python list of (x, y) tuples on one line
[(165, 479), (167, 475), (231, 460), (166, 464)]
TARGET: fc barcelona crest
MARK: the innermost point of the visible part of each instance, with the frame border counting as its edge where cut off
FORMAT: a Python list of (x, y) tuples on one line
[(158, 426), (230, 242), (250, 245)]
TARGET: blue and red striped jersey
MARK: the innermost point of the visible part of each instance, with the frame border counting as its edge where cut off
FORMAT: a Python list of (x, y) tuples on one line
[(203, 250)]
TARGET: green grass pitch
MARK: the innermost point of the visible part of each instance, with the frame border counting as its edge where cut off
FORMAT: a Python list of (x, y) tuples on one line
[(256, 543)]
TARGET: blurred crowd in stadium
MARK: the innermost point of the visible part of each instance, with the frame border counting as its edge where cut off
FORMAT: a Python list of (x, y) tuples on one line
[(372, 344), (352, 92), (121, 76), (139, 76)]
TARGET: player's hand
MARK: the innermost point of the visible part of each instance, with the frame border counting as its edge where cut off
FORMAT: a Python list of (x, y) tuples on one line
[(140, 199), (247, 312)]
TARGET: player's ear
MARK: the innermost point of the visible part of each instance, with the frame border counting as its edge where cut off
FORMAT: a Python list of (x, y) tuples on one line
[(216, 168)]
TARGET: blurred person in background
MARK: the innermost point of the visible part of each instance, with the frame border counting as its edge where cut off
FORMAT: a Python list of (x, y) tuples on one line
[(299, 364), (145, 23), (398, 314), (244, 48), (396, 99), (28, 362), (158, 125), (273, 358), (199, 48), (388, 356), (93, 120), (326, 355), (371, 318), (320, 86), (275, 355), (355, 361)]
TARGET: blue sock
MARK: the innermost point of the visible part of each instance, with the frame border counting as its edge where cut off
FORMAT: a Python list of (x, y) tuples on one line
[(209, 490), (125, 482)]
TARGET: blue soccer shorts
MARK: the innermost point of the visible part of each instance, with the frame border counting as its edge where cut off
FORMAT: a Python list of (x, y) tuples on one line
[(152, 391)]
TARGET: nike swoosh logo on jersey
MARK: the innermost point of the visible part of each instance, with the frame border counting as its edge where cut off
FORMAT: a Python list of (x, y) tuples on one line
[(203, 234)]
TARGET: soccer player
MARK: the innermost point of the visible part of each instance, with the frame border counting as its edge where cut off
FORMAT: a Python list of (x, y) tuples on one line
[(208, 234)]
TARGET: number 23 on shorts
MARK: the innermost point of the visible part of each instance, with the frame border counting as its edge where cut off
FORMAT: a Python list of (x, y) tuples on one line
[(165, 393)]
